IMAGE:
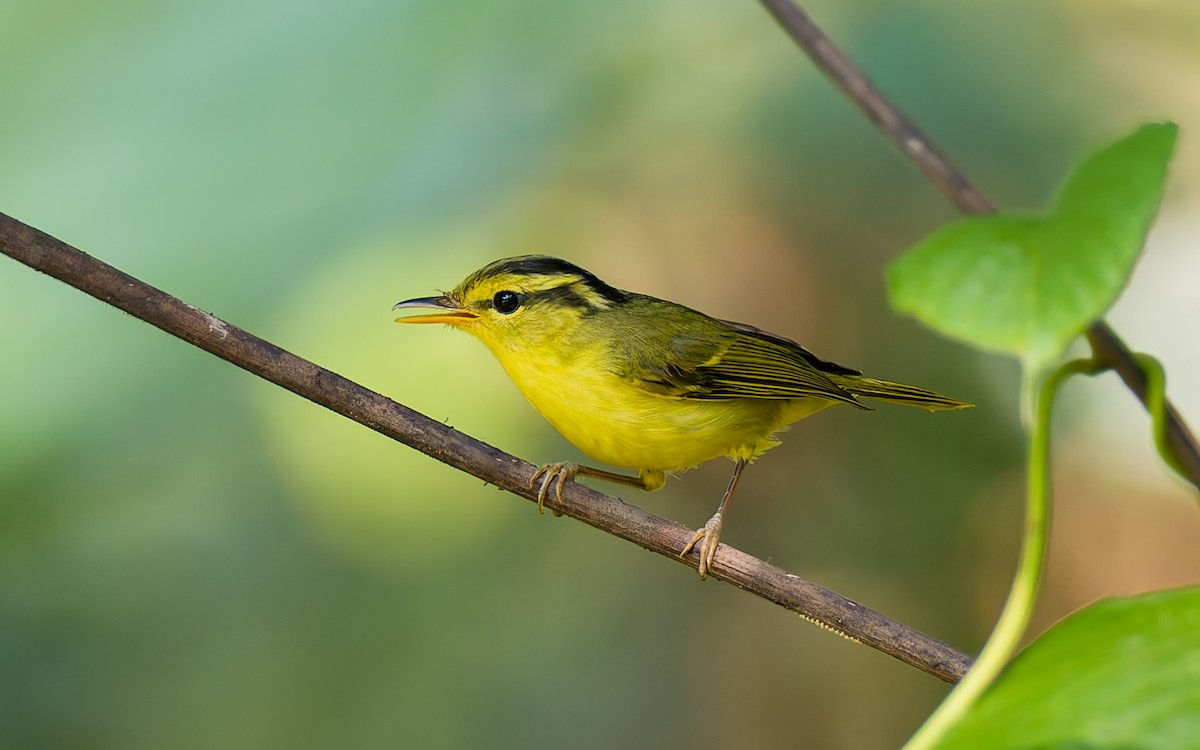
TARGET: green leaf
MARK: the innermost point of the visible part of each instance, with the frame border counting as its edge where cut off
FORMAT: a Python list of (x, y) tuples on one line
[(1122, 674), (1029, 285)]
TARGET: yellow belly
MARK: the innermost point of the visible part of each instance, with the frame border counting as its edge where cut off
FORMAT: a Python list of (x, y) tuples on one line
[(624, 425)]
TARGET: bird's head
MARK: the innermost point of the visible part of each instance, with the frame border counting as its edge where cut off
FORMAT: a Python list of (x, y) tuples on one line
[(522, 299)]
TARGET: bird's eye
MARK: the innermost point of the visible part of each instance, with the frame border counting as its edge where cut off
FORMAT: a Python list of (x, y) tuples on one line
[(506, 302)]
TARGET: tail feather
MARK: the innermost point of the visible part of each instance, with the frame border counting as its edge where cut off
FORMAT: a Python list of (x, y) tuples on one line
[(898, 393)]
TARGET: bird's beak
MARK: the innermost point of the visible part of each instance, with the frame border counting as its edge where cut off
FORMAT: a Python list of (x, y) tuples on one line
[(453, 315)]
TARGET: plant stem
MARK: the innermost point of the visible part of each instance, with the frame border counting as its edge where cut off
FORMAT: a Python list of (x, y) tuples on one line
[(1018, 608)]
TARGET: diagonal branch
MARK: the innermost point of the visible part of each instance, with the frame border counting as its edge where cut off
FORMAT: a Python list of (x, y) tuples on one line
[(812, 602), (905, 136)]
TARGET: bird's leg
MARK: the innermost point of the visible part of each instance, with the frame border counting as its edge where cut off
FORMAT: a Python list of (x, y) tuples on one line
[(709, 535), (557, 474)]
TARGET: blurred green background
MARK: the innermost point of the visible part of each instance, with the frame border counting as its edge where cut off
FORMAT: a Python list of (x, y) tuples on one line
[(192, 558)]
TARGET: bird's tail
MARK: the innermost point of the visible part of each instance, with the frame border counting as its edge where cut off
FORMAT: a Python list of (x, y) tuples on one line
[(898, 393)]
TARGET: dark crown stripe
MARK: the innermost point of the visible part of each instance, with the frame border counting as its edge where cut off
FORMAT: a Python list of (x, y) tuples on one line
[(544, 265)]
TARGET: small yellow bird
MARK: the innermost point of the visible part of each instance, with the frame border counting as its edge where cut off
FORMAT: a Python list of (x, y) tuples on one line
[(642, 383)]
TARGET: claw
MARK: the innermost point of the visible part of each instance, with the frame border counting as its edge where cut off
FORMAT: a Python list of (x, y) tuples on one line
[(556, 474), (709, 536)]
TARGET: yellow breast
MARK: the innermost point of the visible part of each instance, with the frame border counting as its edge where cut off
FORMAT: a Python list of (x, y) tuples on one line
[(622, 424)]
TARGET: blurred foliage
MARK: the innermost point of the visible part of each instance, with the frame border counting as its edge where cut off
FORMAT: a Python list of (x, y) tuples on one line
[(191, 558), (1030, 285), (1123, 673)]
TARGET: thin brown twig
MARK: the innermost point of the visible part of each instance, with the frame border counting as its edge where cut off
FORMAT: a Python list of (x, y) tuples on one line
[(908, 138), (892, 123), (812, 602), (1109, 350)]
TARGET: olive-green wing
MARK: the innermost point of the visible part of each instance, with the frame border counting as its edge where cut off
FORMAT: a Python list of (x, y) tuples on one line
[(733, 360)]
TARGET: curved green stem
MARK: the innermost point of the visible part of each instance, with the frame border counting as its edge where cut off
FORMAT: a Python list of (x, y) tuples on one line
[(1019, 606), (1156, 405)]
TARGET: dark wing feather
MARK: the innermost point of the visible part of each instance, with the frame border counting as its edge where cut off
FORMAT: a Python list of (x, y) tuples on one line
[(823, 365), (732, 360), (767, 366)]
